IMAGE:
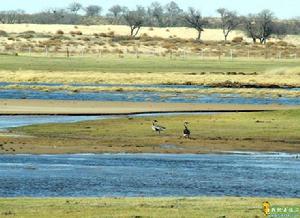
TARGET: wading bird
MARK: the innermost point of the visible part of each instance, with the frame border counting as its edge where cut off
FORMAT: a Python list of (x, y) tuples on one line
[(156, 127), (186, 131)]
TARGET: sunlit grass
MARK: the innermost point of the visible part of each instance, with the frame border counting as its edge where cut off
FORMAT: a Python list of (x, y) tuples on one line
[(138, 207)]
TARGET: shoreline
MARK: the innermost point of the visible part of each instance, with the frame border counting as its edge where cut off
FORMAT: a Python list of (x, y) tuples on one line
[(80, 108), (244, 153)]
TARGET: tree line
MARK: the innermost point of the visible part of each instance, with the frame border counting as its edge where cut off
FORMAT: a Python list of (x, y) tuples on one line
[(260, 27)]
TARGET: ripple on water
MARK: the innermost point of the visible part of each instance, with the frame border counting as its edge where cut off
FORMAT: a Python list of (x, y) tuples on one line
[(147, 96), (150, 175)]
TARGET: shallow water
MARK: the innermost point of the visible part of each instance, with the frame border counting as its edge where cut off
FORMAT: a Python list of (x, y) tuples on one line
[(149, 175), (17, 121), (147, 97), (3, 84)]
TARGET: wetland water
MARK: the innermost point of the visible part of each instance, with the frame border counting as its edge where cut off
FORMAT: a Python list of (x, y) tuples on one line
[(125, 175), (128, 175), (17, 121), (141, 96)]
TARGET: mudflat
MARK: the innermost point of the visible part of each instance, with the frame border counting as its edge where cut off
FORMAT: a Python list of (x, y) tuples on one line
[(58, 107)]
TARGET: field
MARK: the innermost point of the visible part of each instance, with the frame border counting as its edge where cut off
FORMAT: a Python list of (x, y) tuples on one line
[(180, 32), (226, 77), (138, 207), (113, 64), (276, 131), (69, 40), (110, 57)]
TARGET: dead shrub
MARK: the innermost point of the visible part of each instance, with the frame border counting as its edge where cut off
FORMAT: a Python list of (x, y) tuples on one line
[(8, 47), (99, 43), (74, 33), (105, 35), (59, 32), (111, 33), (238, 39), (29, 32), (3, 33), (282, 43), (86, 39)]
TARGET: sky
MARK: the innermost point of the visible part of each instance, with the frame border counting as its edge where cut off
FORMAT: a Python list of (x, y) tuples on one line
[(282, 9)]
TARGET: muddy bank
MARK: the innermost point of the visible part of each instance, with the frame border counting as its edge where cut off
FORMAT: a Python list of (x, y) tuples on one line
[(48, 107)]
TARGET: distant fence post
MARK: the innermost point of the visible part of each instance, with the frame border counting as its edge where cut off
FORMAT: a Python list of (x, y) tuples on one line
[(231, 54), (99, 53), (29, 51), (68, 52), (266, 52), (46, 50)]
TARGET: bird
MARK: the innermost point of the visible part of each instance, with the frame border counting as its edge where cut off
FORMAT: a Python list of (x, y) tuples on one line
[(186, 131), (156, 127)]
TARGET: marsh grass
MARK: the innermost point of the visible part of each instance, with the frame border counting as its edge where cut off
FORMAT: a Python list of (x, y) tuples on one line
[(227, 77), (154, 70), (138, 207), (263, 131), (244, 92)]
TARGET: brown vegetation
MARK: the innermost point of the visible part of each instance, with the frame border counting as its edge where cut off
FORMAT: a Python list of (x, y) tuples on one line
[(147, 43)]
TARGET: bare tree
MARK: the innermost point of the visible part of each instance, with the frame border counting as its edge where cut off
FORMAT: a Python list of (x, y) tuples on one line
[(74, 7), (173, 14), (156, 14), (194, 19), (229, 21), (251, 27), (93, 10), (280, 29), (261, 26), (11, 17), (135, 20), (116, 11), (266, 25), (55, 16)]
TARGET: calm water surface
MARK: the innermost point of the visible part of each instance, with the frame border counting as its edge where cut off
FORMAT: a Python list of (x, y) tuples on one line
[(142, 96), (129, 175)]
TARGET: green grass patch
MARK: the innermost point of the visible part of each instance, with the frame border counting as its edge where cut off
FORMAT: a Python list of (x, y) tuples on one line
[(141, 65), (137, 207), (263, 131)]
